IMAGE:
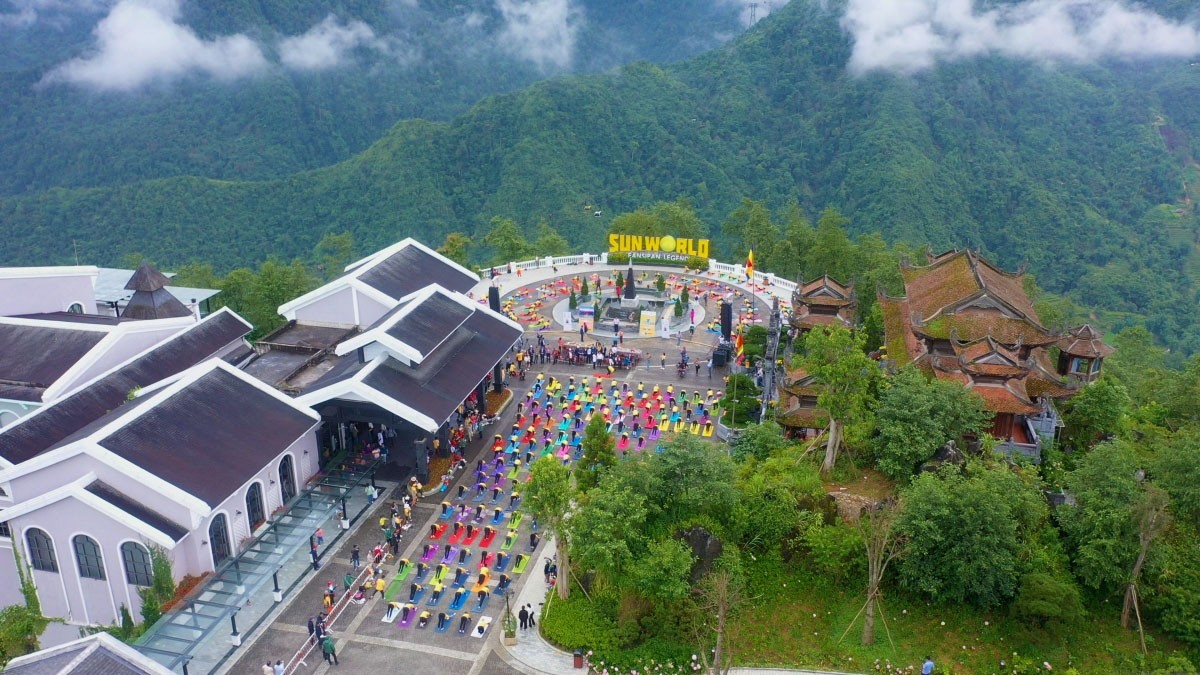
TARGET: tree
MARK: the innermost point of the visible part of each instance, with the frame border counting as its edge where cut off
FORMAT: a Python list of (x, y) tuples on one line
[(549, 242), (548, 498), (845, 374), (718, 596), (455, 247), (751, 227), (333, 253), (1096, 412), (274, 284), (1101, 531), (662, 573), (20, 625), (584, 289), (1176, 469), (598, 454), (161, 589), (832, 251), (915, 416), (882, 547), (1152, 520), (694, 479), (607, 531), (507, 242), (758, 442), (659, 282), (964, 533), (1048, 599)]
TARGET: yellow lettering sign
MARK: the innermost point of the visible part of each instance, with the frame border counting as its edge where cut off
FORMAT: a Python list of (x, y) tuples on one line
[(667, 244)]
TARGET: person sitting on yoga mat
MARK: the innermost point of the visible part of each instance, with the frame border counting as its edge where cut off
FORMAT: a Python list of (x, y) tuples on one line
[(464, 623), (423, 619)]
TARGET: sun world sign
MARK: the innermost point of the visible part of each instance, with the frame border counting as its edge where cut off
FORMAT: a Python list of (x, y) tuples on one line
[(663, 248)]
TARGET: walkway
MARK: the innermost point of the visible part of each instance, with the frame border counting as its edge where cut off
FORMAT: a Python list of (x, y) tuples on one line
[(193, 639)]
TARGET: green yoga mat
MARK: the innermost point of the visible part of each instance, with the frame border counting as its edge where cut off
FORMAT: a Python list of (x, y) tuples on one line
[(393, 588), (516, 519), (508, 544), (404, 572), (512, 473), (441, 575), (522, 563)]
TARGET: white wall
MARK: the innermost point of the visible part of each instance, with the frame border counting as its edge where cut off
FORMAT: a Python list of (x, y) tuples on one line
[(37, 294), (336, 309), (118, 347)]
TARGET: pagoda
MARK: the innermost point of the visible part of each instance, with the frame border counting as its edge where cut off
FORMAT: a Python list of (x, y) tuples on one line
[(965, 320), (823, 302)]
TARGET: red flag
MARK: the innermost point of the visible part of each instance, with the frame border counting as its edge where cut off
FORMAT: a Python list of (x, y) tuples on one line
[(750, 266), (739, 346)]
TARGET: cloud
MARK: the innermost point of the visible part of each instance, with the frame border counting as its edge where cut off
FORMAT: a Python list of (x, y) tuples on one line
[(912, 35), (327, 44), (140, 42), (540, 31)]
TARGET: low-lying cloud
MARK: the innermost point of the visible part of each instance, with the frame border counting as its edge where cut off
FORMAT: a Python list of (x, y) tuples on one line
[(24, 13), (327, 44), (912, 35), (540, 31), (141, 41)]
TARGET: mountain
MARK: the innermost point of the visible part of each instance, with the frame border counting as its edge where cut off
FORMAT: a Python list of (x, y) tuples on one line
[(1085, 173), (312, 83)]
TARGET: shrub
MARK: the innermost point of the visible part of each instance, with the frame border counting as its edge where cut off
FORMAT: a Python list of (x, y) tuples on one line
[(578, 624), (835, 551), (1048, 600)]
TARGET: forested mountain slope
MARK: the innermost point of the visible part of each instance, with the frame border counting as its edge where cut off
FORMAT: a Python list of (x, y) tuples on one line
[(1083, 172), (265, 111)]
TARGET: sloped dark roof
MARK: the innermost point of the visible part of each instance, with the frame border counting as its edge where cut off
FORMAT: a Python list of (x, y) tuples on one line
[(73, 317), (137, 510), (99, 654), (21, 392), (439, 384), (156, 304), (411, 269), (146, 278), (430, 322), (212, 436), (39, 432), (38, 355)]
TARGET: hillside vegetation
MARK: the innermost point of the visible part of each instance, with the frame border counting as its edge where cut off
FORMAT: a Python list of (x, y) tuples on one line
[(1081, 173)]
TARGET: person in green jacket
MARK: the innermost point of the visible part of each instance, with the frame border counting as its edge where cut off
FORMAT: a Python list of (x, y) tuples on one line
[(328, 649)]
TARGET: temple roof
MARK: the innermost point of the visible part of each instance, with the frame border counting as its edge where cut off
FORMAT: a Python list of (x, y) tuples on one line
[(1084, 341), (956, 278), (824, 290)]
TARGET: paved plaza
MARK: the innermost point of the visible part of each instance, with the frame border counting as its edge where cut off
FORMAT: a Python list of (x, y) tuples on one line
[(366, 644)]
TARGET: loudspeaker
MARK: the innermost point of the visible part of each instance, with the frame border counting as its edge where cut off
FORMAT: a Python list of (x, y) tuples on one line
[(726, 321), (494, 298)]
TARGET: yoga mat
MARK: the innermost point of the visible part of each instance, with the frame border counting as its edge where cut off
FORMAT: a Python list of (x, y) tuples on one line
[(497, 518), (392, 619), (392, 589), (522, 563), (479, 496), (433, 601), (447, 513), (457, 537), (429, 555), (450, 555), (412, 615), (403, 572), (471, 539), (516, 519), (446, 627), (457, 603), (501, 564), (438, 531), (487, 560), (487, 540), (481, 627), (509, 541), (417, 598), (481, 605), (440, 575)]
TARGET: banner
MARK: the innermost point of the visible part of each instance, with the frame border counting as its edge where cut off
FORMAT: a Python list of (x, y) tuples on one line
[(646, 325)]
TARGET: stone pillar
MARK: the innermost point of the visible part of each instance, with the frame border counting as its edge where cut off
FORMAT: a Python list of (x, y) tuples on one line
[(498, 370)]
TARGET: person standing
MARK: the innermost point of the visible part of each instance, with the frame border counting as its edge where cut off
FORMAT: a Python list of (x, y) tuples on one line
[(329, 650), (320, 536), (355, 557), (927, 667), (312, 626), (267, 669), (279, 668), (709, 367), (523, 616), (532, 621), (380, 587), (664, 360)]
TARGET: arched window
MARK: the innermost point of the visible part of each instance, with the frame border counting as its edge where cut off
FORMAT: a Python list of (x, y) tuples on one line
[(75, 308), (218, 539), (41, 550), (287, 479), (139, 571), (255, 513), (87, 554)]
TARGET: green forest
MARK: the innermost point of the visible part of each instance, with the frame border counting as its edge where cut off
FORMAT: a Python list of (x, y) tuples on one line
[(1084, 174)]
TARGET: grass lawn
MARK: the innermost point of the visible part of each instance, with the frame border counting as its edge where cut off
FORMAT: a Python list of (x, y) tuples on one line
[(806, 617)]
